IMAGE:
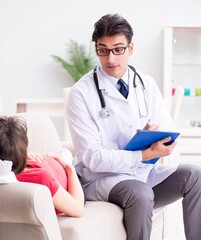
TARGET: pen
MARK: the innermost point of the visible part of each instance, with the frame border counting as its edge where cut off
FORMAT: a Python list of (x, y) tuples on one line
[(145, 127)]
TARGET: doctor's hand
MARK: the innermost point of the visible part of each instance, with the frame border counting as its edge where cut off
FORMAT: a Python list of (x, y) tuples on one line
[(151, 126), (158, 149)]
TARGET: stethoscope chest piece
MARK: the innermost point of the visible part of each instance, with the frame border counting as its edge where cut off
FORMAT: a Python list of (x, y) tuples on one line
[(105, 113)]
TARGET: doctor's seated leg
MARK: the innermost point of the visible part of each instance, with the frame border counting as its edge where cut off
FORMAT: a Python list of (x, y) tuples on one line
[(136, 199), (184, 183)]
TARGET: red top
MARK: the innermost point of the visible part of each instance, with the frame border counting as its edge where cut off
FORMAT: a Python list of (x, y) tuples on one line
[(49, 173)]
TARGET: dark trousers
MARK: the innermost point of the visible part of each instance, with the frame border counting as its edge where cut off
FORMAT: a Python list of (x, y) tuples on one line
[(138, 201)]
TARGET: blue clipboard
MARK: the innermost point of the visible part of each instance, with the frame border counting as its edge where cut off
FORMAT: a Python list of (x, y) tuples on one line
[(144, 138)]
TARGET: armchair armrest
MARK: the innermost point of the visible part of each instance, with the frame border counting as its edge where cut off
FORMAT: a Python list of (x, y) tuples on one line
[(69, 145), (27, 212)]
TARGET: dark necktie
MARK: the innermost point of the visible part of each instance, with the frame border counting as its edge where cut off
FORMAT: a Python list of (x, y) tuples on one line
[(123, 88)]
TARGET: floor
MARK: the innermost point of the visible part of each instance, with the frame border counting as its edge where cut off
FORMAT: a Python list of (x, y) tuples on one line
[(174, 222)]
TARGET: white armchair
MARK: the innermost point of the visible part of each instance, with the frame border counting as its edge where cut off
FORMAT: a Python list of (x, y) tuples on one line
[(42, 134), (67, 136), (27, 212)]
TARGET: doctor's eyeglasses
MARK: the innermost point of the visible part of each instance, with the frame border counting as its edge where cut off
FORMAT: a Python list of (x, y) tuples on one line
[(115, 51)]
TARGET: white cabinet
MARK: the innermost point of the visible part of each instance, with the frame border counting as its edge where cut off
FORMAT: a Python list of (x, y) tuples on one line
[(182, 67), (188, 149)]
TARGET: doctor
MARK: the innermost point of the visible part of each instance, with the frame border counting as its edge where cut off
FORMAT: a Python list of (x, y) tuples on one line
[(102, 121)]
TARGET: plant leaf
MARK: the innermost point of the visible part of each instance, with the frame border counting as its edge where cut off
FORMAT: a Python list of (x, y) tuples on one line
[(80, 61)]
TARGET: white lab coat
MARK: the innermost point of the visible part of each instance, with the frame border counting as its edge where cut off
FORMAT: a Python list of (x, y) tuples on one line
[(99, 141)]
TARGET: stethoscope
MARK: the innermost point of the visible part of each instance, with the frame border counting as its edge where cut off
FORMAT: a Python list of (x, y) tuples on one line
[(105, 113)]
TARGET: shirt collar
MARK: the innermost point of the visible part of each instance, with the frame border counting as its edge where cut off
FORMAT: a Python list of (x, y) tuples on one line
[(114, 80)]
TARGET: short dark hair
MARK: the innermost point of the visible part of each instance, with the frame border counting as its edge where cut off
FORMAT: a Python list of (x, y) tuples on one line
[(110, 25), (13, 142)]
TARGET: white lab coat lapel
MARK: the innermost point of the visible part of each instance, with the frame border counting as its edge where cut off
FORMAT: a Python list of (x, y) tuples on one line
[(108, 89), (131, 94), (133, 104), (129, 120)]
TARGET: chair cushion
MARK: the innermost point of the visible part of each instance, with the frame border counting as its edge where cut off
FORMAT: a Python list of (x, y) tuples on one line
[(42, 134), (101, 220)]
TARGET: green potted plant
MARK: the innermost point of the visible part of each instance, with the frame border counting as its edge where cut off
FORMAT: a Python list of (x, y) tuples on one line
[(80, 61)]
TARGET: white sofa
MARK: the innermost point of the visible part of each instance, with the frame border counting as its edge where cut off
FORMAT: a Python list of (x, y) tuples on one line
[(27, 212)]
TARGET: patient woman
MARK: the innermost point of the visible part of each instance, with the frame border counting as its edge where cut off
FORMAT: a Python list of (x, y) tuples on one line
[(50, 170)]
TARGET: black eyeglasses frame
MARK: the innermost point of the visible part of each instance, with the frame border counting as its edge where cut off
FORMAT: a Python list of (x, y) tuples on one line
[(111, 50)]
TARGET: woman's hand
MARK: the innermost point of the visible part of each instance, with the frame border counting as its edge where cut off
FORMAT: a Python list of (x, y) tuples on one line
[(67, 163), (71, 201), (35, 157)]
